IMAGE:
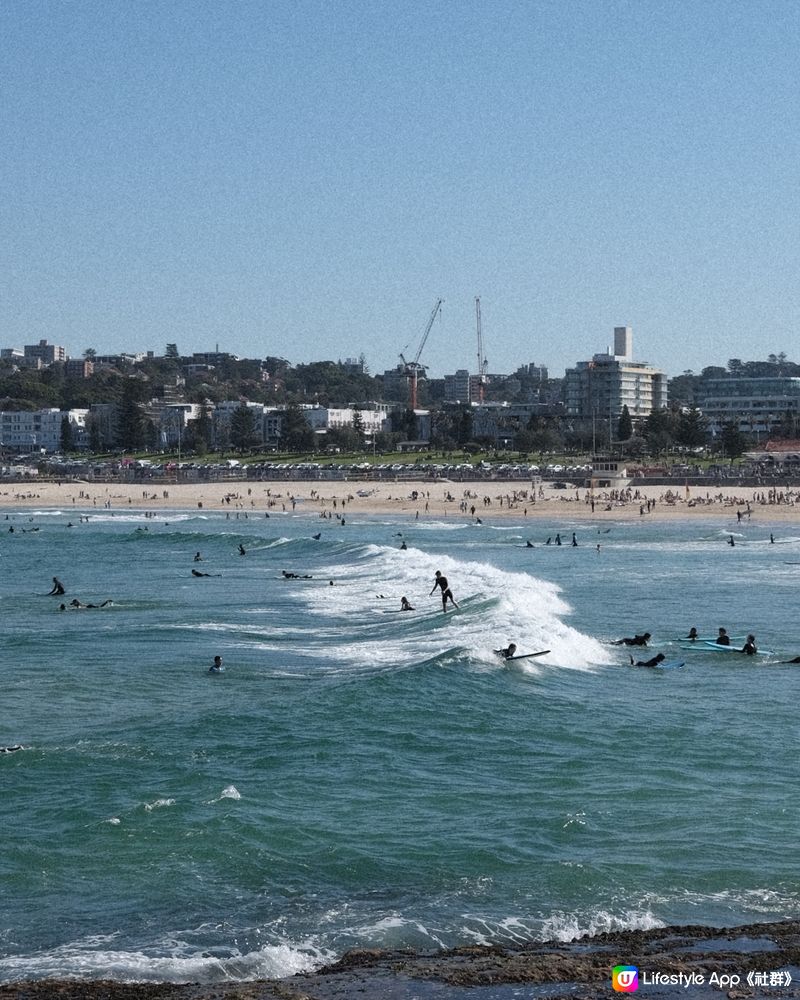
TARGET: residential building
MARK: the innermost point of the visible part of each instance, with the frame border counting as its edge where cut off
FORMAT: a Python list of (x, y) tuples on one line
[(602, 386), (500, 422), (46, 354), (754, 405), (458, 387), (172, 422), (40, 430), (395, 384), (325, 418), (78, 368)]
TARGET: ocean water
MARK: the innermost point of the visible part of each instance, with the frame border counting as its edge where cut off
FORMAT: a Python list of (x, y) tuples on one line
[(362, 777)]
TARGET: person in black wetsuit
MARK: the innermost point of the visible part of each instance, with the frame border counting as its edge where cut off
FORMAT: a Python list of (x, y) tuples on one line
[(723, 639), (652, 662), (58, 588), (447, 593), (692, 636), (508, 652), (636, 640), (750, 646)]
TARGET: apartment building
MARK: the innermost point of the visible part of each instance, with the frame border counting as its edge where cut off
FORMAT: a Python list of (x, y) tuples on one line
[(602, 386)]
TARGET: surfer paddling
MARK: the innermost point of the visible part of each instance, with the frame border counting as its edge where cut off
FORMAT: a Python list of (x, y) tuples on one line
[(447, 593), (654, 661), (636, 640)]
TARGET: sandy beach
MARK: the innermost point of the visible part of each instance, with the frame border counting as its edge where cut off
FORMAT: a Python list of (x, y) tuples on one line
[(467, 501)]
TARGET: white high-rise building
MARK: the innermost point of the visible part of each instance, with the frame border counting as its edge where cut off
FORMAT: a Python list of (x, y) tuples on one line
[(602, 386)]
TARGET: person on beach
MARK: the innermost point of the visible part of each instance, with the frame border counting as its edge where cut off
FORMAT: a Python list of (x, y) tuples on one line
[(750, 646), (692, 636), (508, 652), (652, 662), (405, 605), (723, 639), (58, 588), (636, 640), (216, 667), (447, 593)]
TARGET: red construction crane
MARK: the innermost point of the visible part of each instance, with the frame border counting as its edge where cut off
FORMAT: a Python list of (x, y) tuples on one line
[(413, 370), (483, 364)]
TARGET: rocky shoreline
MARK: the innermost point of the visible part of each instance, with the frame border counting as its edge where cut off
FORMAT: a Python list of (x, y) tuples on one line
[(713, 961)]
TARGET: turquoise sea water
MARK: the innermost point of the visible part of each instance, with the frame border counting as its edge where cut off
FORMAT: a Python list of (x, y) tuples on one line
[(364, 777)]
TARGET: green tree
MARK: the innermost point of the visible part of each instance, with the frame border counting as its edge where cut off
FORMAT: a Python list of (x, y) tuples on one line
[(296, 432), (130, 425), (244, 433), (358, 426), (691, 429), (659, 431), (90, 353), (624, 425), (67, 437), (732, 441), (95, 434)]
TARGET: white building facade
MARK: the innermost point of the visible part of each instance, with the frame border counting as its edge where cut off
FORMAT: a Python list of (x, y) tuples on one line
[(601, 387), (40, 430)]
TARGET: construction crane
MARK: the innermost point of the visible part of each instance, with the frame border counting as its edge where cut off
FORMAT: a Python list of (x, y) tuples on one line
[(413, 370), (483, 364)]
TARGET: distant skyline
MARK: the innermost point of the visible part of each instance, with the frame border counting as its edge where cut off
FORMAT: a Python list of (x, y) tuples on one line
[(306, 179)]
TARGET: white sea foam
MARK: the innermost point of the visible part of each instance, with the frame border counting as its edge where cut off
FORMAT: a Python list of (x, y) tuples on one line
[(229, 792), (498, 606), (173, 962), (569, 926), (159, 804)]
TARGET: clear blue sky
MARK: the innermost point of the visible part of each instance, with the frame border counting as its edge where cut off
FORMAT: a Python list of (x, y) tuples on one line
[(305, 177)]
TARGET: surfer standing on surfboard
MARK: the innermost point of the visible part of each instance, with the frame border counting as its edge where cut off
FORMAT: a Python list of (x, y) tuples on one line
[(441, 581)]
